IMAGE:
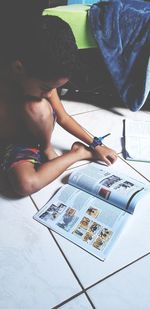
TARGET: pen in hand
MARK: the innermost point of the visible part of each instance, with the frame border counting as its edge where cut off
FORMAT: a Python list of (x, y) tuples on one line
[(97, 141), (102, 137)]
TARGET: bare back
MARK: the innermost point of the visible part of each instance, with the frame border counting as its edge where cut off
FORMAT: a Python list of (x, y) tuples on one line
[(11, 123)]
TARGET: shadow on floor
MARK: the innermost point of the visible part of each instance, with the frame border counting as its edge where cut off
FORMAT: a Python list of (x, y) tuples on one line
[(100, 98), (5, 188)]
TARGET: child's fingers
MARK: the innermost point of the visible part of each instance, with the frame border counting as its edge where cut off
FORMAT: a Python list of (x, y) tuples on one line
[(110, 159), (107, 161), (113, 158)]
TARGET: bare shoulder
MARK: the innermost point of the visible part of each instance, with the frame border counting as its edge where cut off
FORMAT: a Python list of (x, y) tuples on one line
[(56, 103)]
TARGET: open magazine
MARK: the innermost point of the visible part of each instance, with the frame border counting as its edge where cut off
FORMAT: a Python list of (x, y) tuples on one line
[(93, 207), (137, 140)]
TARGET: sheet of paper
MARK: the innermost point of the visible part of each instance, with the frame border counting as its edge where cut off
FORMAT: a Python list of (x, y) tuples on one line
[(137, 140), (137, 128)]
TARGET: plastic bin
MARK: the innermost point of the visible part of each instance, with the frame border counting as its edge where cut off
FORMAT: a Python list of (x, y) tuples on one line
[(76, 16)]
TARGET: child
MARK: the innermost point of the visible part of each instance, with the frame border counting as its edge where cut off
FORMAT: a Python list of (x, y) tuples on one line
[(30, 74)]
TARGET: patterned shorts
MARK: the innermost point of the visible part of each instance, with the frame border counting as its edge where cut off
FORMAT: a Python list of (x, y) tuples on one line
[(12, 155)]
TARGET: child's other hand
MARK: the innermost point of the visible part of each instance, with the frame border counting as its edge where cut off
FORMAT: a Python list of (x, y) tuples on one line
[(103, 153)]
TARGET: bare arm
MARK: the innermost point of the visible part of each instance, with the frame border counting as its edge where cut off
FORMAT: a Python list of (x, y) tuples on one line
[(72, 126), (67, 122)]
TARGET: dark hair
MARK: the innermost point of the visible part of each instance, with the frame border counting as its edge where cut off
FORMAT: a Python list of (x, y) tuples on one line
[(45, 44), (51, 52)]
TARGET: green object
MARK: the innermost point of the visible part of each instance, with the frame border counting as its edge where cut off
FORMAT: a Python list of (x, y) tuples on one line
[(76, 16)]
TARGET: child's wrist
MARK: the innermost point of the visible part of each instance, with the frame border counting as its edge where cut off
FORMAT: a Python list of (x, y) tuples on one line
[(96, 142)]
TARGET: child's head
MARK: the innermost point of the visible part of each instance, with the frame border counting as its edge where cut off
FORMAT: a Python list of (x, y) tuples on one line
[(49, 51), (45, 45)]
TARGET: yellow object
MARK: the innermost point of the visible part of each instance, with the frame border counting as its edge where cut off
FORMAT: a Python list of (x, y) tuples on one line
[(76, 15)]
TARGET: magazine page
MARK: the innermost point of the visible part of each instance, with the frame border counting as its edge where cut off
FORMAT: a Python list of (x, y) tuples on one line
[(90, 223), (137, 140), (108, 184)]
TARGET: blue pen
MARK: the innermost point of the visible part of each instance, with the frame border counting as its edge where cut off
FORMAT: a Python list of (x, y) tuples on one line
[(102, 137), (97, 141)]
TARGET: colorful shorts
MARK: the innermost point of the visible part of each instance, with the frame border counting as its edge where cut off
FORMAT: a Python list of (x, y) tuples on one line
[(12, 155)]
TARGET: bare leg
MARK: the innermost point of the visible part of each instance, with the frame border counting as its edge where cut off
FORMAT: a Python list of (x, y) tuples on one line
[(39, 119), (26, 180)]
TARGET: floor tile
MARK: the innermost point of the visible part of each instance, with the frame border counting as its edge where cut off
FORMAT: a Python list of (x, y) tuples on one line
[(128, 288), (103, 122), (33, 272), (74, 108), (141, 167), (147, 111), (139, 115), (129, 247), (78, 302)]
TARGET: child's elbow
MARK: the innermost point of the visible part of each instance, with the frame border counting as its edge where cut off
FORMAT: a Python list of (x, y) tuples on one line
[(26, 186)]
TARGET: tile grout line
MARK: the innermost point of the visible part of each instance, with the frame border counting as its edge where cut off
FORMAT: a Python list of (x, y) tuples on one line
[(96, 283), (117, 271), (99, 109), (30, 196), (123, 159), (81, 113), (71, 268), (134, 168), (69, 265), (67, 300), (72, 298), (85, 290)]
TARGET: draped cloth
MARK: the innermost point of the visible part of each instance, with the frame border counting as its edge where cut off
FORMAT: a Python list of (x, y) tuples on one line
[(122, 31)]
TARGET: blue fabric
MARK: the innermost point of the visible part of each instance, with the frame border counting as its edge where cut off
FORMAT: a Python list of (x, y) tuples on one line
[(80, 2), (122, 31)]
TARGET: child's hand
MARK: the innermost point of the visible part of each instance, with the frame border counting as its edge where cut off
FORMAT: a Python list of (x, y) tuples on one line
[(103, 153)]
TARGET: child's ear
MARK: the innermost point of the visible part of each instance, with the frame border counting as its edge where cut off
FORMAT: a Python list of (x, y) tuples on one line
[(18, 67)]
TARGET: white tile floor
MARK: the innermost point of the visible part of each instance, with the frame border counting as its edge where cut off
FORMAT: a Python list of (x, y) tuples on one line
[(41, 270)]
